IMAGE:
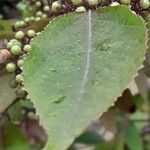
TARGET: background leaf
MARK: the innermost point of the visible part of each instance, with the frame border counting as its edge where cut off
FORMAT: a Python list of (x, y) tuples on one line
[(79, 65), (6, 25), (14, 139), (132, 138), (7, 94), (116, 144)]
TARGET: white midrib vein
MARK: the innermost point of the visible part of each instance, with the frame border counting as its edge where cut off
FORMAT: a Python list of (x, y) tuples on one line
[(89, 49), (85, 75)]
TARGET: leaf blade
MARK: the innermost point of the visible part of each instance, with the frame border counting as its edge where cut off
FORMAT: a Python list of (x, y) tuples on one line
[(65, 109)]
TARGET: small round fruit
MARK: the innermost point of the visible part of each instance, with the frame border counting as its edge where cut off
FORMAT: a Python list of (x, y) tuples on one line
[(18, 43), (19, 35), (38, 4), (4, 55), (31, 115), (27, 20), (11, 67), (31, 33), (21, 23), (39, 14), (56, 6), (37, 18), (27, 48), (32, 18), (46, 8), (93, 2), (114, 4), (38, 33), (17, 24), (24, 56), (144, 4), (80, 9), (20, 62), (126, 2), (9, 45), (15, 42), (44, 16), (76, 2), (15, 50), (19, 78), (31, 41)]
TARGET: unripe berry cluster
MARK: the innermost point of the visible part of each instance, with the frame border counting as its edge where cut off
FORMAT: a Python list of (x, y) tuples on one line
[(13, 57)]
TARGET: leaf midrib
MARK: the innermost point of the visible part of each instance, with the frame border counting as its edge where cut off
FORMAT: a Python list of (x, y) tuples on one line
[(84, 80)]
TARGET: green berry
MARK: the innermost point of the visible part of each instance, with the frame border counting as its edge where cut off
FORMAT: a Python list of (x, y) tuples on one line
[(144, 4), (15, 42), (39, 14), (76, 2), (9, 45), (17, 24), (32, 116), (20, 62), (37, 18), (32, 18), (19, 35), (114, 4), (93, 2), (56, 6), (44, 16), (27, 48), (19, 78), (23, 57), (31, 41), (38, 33), (27, 20), (15, 50), (13, 84), (80, 9), (46, 8), (126, 2), (11, 67), (38, 4), (22, 23), (31, 33)]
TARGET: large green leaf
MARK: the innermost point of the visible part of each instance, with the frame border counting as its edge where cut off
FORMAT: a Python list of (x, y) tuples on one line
[(79, 65)]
